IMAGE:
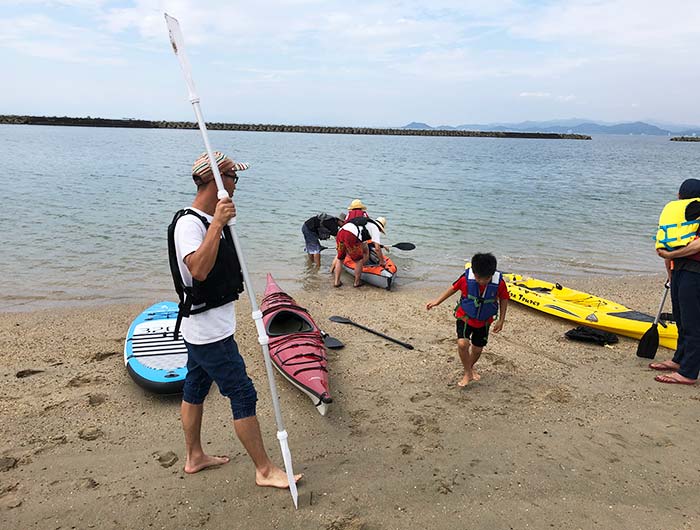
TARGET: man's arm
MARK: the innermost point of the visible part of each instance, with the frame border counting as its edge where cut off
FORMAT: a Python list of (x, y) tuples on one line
[(691, 248), (201, 261)]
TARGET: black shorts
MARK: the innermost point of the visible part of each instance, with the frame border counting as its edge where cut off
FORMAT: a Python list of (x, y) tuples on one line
[(479, 337)]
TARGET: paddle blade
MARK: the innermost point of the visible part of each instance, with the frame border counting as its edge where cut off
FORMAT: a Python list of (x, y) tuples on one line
[(404, 246), (331, 342), (340, 320), (287, 458), (649, 343)]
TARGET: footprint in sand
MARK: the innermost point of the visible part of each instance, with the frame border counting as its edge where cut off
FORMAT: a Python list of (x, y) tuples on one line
[(90, 433), (420, 396), (165, 458)]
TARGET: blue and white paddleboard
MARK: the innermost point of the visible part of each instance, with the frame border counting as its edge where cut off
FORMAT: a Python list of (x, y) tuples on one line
[(153, 359)]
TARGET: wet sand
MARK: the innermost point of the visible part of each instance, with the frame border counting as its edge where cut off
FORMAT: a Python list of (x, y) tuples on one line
[(557, 434)]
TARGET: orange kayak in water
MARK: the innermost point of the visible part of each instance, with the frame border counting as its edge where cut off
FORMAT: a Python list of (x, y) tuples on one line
[(373, 273)]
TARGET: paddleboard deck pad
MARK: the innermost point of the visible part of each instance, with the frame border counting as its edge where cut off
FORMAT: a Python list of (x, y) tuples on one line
[(153, 359)]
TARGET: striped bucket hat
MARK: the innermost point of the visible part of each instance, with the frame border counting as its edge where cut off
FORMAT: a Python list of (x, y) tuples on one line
[(201, 169)]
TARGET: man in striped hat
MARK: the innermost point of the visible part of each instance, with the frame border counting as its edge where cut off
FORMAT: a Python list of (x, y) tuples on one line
[(207, 276)]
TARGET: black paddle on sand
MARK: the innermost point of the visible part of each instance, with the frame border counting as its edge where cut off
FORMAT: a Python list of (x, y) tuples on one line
[(343, 320), (331, 342), (649, 342)]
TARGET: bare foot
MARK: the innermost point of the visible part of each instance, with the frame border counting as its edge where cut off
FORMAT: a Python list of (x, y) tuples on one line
[(275, 478), (464, 381), (339, 284), (663, 366), (205, 462), (475, 376)]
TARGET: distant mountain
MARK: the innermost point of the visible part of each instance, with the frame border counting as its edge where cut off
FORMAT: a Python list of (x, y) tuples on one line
[(572, 125), (416, 125)]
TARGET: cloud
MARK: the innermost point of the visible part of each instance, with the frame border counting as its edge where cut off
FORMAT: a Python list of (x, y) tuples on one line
[(43, 37), (535, 95)]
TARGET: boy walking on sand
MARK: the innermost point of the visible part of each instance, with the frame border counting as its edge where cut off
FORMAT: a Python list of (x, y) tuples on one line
[(484, 294)]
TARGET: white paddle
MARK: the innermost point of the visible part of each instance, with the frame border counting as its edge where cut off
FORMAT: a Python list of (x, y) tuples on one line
[(179, 48)]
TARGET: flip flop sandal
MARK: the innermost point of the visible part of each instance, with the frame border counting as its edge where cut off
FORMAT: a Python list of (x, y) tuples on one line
[(671, 381)]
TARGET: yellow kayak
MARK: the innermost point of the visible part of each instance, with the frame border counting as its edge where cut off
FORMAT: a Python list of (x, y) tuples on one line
[(586, 309)]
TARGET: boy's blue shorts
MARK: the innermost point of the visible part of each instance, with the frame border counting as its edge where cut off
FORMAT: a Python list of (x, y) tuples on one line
[(221, 362)]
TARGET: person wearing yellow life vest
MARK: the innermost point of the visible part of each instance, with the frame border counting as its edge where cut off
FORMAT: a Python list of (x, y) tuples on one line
[(678, 242)]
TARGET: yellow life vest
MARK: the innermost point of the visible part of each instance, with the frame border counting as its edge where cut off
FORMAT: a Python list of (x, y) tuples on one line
[(675, 231)]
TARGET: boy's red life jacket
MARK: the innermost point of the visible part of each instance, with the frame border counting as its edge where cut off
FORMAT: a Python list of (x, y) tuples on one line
[(477, 305)]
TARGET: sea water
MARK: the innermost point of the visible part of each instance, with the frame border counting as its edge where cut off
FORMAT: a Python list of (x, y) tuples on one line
[(85, 210)]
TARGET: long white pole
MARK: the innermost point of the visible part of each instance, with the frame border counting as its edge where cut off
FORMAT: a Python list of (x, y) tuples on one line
[(177, 42)]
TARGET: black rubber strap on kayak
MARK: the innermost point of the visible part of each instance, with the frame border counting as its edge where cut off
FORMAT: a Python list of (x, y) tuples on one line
[(310, 368), (287, 346), (284, 306), (313, 358)]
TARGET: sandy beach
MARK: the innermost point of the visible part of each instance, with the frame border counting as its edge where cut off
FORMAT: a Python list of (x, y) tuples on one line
[(557, 434)]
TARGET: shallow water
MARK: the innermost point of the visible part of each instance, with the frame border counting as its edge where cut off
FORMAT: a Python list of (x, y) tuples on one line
[(86, 209)]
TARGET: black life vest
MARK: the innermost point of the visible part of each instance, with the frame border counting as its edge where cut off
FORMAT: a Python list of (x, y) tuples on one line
[(223, 284), (361, 223)]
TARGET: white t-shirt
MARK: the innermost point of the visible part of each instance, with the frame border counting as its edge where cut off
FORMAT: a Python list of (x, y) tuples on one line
[(373, 230), (213, 324)]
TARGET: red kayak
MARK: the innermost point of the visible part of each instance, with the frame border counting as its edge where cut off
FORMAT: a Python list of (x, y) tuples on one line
[(296, 345)]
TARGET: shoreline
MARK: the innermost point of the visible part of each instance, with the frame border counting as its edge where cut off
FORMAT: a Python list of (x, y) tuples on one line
[(262, 127), (315, 283), (557, 434)]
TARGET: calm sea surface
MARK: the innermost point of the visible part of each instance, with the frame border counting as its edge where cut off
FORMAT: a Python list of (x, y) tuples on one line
[(85, 210)]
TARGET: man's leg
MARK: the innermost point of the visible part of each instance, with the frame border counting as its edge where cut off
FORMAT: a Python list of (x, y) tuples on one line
[(196, 459), (337, 270), (266, 473), (358, 272), (195, 390), (316, 259)]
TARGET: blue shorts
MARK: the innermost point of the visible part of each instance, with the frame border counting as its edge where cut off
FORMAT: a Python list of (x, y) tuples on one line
[(221, 362), (313, 245)]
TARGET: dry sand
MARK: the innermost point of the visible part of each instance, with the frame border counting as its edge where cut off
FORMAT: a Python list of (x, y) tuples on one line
[(556, 434)]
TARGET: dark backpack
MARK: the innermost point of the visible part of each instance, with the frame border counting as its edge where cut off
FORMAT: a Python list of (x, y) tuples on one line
[(588, 334)]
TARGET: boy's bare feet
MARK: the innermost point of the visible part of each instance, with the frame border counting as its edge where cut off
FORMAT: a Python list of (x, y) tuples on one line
[(464, 381), (274, 478), (193, 466), (475, 376)]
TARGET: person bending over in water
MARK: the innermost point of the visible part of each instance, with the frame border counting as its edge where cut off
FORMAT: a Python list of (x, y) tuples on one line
[(484, 294)]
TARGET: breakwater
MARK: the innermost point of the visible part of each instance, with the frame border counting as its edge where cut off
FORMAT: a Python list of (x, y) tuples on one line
[(685, 139), (255, 127)]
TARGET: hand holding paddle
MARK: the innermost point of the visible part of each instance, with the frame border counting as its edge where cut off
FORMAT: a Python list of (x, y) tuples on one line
[(343, 320)]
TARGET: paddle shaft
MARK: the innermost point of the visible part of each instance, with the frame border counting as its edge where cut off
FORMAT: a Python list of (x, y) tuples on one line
[(177, 42), (661, 306), (397, 245), (404, 344)]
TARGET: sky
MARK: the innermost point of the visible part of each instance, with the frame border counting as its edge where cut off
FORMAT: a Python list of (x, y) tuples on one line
[(355, 63)]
